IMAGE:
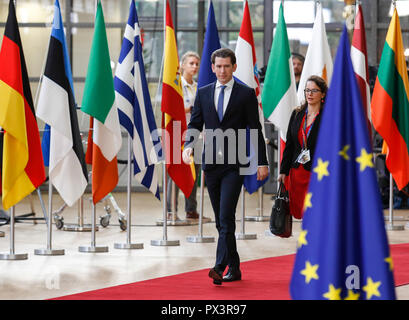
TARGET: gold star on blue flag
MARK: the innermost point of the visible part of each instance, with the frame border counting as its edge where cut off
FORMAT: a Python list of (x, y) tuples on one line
[(346, 231)]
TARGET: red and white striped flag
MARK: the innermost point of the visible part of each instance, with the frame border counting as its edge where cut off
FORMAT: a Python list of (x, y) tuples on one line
[(246, 73), (246, 70), (359, 58)]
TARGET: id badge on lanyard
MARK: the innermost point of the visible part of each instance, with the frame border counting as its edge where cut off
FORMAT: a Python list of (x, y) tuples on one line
[(304, 155)]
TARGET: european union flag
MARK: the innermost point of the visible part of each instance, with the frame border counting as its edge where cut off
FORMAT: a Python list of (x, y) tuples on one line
[(342, 249), (211, 43)]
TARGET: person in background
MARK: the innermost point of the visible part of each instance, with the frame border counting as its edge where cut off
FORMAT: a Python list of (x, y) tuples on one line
[(298, 64), (189, 67), (301, 141)]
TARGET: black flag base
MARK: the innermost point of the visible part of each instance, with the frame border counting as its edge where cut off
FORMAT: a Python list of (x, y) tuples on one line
[(5, 218)]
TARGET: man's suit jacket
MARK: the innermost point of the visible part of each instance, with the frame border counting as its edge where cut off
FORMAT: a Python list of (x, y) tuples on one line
[(241, 112), (293, 148)]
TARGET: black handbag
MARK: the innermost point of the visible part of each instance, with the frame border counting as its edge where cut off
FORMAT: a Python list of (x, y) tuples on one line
[(281, 221)]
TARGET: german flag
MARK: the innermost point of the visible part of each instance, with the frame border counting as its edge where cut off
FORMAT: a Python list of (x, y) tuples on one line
[(173, 113), (22, 159), (390, 104)]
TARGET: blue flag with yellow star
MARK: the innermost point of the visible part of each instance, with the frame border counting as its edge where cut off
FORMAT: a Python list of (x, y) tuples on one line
[(342, 249)]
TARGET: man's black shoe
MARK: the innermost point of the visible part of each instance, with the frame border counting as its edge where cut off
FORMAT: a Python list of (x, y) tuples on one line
[(216, 276), (232, 275)]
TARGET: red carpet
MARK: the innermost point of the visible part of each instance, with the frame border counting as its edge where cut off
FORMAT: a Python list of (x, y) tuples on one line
[(264, 279)]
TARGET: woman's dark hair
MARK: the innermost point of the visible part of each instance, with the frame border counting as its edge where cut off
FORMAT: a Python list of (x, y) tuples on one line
[(224, 53), (320, 82)]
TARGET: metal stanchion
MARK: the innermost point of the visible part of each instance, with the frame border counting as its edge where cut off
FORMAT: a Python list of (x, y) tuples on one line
[(49, 251), (164, 241), (80, 227), (42, 204), (242, 235), (268, 232), (390, 226), (260, 217), (200, 238), (128, 244), (12, 255), (175, 221), (93, 247)]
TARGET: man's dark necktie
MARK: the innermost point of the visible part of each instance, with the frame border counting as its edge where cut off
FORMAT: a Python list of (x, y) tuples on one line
[(220, 103)]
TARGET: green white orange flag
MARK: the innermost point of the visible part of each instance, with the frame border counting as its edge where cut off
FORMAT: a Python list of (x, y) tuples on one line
[(99, 102), (173, 113), (279, 96), (390, 104), (22, 168)]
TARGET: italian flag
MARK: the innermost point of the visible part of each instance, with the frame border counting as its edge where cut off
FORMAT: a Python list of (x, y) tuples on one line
[(98, 102), (279, 96), (390, 104)]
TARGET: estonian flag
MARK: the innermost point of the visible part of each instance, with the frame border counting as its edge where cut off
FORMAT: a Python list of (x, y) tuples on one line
[(56, 107)]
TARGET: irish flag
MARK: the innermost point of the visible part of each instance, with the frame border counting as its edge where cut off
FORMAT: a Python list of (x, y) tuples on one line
[(98, 102), (279, 95), (390, 104)]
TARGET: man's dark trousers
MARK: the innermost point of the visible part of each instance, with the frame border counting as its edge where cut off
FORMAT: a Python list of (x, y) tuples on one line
[(224, 187)]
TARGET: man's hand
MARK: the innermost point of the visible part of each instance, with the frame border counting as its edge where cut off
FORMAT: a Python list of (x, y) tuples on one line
[(187, 155), (262, 173)]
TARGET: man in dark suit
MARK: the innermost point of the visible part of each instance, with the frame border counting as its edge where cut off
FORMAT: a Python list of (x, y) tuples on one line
[(225, 108)]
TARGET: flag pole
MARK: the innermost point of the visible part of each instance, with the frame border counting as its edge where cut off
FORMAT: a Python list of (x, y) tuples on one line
[(268, 232), (164, 241), (200, 238), (93, 248), (260, 217), (12, 255), (390, 225), (49, 251), (128, 244), (243, 235)]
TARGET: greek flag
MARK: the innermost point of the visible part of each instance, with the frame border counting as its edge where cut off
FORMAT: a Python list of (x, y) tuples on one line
[(135, 107)]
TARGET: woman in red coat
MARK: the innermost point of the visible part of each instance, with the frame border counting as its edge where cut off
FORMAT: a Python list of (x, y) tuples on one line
[(300, 145)]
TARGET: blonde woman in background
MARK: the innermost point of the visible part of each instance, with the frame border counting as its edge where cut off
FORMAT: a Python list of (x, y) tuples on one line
[(189, 67)]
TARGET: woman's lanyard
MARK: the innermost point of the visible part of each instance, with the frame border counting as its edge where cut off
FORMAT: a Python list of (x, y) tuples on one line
[(305, 132), (188, 92)]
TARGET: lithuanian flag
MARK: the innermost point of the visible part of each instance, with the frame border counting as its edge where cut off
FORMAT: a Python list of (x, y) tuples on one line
[(390, 104), (173, 113), (22, 160)]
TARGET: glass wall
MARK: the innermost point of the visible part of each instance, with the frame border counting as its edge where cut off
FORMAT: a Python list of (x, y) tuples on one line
[(190, 16), (35, 17)]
